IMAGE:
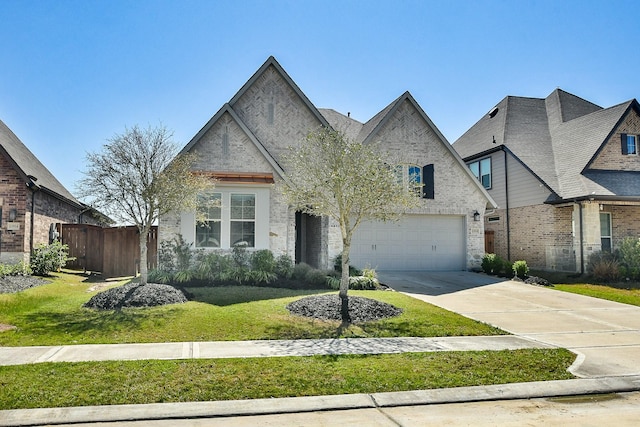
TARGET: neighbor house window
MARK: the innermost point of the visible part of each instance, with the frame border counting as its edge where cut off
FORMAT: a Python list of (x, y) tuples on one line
[(208, 231), (629, 144), (482, 171), (243, 219), (605, 231)]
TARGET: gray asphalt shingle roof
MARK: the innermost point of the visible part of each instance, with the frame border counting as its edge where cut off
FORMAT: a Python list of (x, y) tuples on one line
[(556, 138), (29, 165)]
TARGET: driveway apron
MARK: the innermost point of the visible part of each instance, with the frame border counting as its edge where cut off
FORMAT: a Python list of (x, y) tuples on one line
[(604, 334)]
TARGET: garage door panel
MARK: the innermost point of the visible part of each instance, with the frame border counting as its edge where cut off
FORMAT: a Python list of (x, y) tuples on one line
[(416, 242)]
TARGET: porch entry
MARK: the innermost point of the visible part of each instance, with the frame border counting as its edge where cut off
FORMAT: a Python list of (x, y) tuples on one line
[(308, 239)]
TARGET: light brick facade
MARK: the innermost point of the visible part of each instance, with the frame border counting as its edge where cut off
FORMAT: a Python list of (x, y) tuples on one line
[(251, 133)]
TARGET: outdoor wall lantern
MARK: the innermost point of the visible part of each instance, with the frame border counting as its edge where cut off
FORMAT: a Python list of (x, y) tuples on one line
[(12, 214), (476, 216)]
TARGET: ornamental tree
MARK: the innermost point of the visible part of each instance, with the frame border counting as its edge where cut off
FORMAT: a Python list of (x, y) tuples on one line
[(137, 177), (350, 182)]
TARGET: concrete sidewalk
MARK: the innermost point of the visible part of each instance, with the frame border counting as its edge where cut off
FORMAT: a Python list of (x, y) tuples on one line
[(258, 348)]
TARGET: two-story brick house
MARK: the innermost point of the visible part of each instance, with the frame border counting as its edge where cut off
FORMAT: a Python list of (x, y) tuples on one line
[(31, 201), (565, 174), (242, 145)]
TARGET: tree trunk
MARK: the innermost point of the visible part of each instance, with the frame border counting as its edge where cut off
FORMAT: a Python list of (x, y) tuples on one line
[(344, 285), (144, 235)]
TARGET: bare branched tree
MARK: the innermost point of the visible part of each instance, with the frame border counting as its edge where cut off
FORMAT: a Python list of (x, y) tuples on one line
[(347, 181), (137, 177)]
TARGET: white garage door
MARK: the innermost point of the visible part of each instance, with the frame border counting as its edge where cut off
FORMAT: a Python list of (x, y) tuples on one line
[(416, 242)]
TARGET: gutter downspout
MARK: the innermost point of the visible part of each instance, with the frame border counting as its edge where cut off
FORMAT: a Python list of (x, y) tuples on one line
[(506, 190), (581, 241), (34, 189)]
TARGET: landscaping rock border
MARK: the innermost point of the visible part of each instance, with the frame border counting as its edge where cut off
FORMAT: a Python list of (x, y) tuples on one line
[(136, 295), (327, 307)]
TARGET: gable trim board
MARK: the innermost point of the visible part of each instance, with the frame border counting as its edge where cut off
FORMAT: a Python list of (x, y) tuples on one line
[(249, 110)]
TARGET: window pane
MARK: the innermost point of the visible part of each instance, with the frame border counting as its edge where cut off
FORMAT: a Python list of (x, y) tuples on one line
[(208, 234), (243, 233), (209, 205), (485, 172), (486, 181), (475, 169), (631, 144), (415, 175), (605, 225), (243, 206)]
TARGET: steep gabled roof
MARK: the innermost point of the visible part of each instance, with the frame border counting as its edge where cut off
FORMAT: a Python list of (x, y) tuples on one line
[(369, 130), (345, 124), (226, 108), (30, 168), (544, 134), (271, 62), (589, 133)]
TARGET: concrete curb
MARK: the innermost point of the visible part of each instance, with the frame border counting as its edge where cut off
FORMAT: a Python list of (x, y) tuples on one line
[(168, 411)]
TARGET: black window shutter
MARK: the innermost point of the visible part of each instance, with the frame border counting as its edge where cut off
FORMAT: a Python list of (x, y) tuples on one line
[(625, 148), (428, 188)]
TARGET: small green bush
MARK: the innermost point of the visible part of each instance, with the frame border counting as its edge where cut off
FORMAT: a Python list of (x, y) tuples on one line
[(337, 265), (491, 264), (520, 269), (263, 260), (284, 266), (629, 257), (604, 266), (19, 269), (241, 256), (48, 258)]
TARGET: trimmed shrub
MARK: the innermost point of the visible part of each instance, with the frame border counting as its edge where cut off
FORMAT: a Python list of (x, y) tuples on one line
[(520, 269), (19, 269), (48, 258), (491, 264), (629, 256), (263, 260), (604, 266), (284, 266), (337, 265)]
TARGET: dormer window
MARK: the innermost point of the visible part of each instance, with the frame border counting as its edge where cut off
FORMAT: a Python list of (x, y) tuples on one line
[(629, 144)]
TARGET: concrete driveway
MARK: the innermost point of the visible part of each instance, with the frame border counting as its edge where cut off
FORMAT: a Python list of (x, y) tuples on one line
[(604, 334)]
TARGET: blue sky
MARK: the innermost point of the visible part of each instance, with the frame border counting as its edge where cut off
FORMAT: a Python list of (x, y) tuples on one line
[(74, 73)]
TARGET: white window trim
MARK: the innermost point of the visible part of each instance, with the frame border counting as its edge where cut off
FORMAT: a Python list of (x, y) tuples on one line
[(262, 217)]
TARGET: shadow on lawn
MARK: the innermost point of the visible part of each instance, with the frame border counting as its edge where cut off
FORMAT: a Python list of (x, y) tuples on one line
[(87, 325), (229, 295)]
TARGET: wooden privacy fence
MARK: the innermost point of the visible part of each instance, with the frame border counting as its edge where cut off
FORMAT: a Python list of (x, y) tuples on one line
[(115, 252)]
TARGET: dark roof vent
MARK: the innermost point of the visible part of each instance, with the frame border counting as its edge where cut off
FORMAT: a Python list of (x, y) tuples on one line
[(493, 112)]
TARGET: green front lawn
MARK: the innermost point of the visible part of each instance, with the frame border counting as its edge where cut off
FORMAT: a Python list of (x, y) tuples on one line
[(151, 381), (626, 296), (52, 314)]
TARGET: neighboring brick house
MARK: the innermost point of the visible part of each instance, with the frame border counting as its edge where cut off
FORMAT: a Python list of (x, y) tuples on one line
[(565, 174), (31, 200), (242, 147)]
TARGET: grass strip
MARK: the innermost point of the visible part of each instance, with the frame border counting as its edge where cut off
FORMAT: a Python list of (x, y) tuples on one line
[(153, 381), (52, 314), (626, 296)]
